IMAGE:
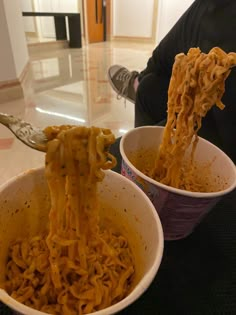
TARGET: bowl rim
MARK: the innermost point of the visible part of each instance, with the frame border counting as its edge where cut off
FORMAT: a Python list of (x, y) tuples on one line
[(143, 284), (177, 191)]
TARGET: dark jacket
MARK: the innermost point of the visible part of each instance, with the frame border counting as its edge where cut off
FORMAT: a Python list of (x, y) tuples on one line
[(206, 24)]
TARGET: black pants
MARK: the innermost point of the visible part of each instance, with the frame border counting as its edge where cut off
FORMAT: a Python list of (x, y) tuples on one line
[(151, 107), (148, 109), (152, 111), (151, 100)]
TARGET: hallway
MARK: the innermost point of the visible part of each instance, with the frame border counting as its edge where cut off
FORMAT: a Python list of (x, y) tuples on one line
[(69, 86)]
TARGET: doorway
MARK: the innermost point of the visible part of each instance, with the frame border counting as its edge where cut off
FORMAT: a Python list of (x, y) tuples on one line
[(96, 16)]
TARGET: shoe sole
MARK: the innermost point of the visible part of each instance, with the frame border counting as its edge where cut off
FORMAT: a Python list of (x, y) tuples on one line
[(115, 89)]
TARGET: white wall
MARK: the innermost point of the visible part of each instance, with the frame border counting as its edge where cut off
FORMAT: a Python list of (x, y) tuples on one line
[(13, 52), (26, 6), (169, 11), (45, 25), (70, 6), (6, 58), (132, 18)]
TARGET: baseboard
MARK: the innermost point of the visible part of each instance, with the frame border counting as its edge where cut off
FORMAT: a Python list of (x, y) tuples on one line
[(142, 40), (21, 87), (11, 90)]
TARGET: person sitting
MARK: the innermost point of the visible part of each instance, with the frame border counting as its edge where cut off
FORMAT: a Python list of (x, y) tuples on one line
[(205, 24)]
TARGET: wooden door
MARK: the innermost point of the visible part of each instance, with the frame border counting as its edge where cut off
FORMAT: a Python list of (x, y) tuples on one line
[(95, 20)]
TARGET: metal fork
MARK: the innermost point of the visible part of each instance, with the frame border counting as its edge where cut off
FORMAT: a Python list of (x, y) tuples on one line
[(25, 132)]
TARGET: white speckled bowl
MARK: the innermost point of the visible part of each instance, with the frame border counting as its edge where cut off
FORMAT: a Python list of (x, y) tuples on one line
[(24, 206)]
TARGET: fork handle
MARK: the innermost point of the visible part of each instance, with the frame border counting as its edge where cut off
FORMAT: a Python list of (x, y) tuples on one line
[(8, 120), (19, 127)]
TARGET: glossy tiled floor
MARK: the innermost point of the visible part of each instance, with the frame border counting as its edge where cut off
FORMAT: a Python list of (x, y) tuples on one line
[(69, 86)]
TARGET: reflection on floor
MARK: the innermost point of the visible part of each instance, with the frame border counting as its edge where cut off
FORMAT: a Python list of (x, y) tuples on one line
[(69, 86)]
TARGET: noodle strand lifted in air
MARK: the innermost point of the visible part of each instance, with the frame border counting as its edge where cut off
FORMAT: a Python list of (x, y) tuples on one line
[(78, 267), (197, 84)]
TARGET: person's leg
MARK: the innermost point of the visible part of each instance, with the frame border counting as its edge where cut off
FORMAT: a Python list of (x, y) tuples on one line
[(150, 108), (115, 151), (151, 100)]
